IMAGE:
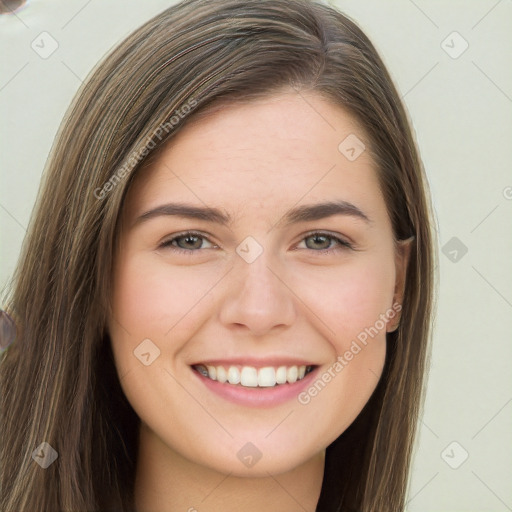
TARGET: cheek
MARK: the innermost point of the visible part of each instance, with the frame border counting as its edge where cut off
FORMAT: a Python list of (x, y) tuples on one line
[(349, 303), (348, 298), (156, 301), (152, 298)]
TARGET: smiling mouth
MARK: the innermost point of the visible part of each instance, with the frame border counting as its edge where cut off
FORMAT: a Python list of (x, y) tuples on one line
[(251, 377)]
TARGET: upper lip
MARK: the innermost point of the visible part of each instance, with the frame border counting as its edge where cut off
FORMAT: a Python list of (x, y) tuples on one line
[(256, 362)]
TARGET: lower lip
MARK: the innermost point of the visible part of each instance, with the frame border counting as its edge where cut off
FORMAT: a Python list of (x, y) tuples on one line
[(257, 397)]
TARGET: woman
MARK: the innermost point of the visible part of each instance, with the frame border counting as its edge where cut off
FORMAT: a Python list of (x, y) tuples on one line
[(225, 296)]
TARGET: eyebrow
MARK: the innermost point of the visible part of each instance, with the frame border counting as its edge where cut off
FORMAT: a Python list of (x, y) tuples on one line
[(303, 213)]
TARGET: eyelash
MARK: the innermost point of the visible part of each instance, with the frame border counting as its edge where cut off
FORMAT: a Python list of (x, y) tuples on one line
[(342, 244)]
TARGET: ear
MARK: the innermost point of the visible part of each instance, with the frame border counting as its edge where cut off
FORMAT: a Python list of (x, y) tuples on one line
[(402, 255)]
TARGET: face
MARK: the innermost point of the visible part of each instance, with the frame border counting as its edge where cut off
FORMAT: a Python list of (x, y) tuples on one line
[(257, 249)]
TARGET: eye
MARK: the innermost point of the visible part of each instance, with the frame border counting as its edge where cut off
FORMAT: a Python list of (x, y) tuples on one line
[(323, 242), (187, 242), (190, 241)]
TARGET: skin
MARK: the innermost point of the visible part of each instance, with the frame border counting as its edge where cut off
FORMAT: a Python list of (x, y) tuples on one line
[(254, 161)]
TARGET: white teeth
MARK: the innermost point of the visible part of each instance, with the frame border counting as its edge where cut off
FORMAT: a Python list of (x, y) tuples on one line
[(251, 377), (291, 374), (222, 376), (267, 377), (212, 372), (281, 375), (233, 375)]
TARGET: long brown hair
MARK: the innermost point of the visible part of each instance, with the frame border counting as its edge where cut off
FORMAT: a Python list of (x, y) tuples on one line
[(58, 380)]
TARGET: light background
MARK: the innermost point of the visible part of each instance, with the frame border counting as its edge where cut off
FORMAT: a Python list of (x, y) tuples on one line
[(461, 110)]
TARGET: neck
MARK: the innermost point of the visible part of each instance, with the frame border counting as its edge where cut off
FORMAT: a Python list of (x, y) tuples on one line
[(167, 482)]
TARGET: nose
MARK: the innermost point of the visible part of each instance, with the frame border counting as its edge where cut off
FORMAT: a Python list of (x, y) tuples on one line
[(257, 298)]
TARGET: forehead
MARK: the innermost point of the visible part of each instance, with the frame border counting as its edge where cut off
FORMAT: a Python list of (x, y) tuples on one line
[(259, 156)]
